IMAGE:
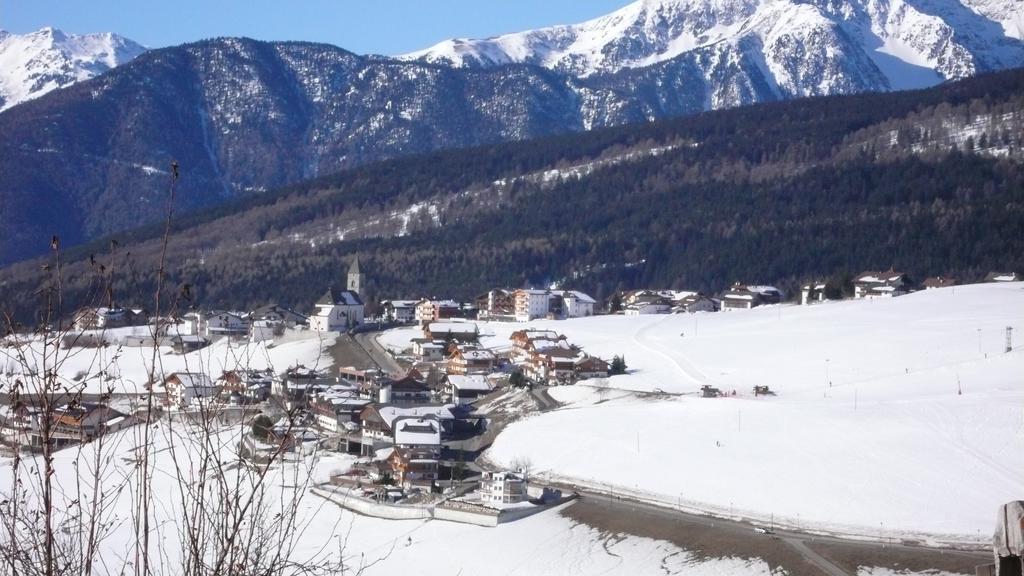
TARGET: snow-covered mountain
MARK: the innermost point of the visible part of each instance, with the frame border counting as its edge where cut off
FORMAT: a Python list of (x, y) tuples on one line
[(802, 47), (36, 63)]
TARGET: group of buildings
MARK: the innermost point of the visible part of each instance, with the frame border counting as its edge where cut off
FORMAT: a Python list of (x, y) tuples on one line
[(740, 296), (541, 356), (890, 284), (27, 426), (501, 305), (546, 357)]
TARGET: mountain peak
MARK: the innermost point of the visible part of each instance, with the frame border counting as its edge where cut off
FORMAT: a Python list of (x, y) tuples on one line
[(38, 62), (899, 42)]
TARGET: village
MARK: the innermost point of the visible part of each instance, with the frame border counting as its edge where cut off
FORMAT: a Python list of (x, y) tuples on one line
[(418, 425)]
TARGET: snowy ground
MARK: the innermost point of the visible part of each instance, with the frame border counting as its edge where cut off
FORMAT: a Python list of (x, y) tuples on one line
[(126, 369), (542, 544), (867, 435), (889, 447)]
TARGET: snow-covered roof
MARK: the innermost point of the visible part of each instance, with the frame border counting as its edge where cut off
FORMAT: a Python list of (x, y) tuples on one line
[(345, 298), (1002, 277), (586, 299), (402, 303), (504, 476), (110, 312), (546, 344), (532, 335), (879, 277), (477, 354), (392, 413), (470, 383), (192, 379), (738, 296), (453, 327), (417, 431), (640, 305)]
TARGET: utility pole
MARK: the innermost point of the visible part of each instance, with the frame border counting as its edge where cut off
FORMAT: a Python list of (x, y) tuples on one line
[(1009, 339)]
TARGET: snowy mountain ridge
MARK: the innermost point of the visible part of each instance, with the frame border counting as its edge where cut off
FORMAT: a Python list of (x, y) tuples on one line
[(802, 47), (38, 62)]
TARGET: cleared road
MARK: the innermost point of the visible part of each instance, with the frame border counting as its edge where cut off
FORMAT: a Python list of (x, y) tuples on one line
[(799, 553), (378, 355)]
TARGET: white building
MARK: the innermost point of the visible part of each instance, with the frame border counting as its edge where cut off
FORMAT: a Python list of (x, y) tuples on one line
[(646, 308), (222, 323), (400, 311), (503, 488), (695, 302), (183, 388), (811, 293), (577, 304), (428, 350), (532, 304), (466, 388), (881, 285), (337, 313)]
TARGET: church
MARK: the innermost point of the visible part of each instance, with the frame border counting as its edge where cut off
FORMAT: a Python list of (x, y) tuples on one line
[(344, 310)]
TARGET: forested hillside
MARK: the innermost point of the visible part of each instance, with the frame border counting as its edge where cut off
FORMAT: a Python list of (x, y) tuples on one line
[(930, 182)]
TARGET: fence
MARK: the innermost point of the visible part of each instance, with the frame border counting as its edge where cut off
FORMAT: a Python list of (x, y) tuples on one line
[(451, 510)]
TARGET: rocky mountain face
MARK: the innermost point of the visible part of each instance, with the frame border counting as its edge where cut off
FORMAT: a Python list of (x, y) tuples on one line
[(242, 116), (801, 47), (36, 63)]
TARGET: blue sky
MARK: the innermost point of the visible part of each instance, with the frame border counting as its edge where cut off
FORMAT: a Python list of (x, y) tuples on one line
[(363, 26)]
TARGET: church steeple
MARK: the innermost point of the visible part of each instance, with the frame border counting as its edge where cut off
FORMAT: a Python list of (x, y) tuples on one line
[(356, 279)]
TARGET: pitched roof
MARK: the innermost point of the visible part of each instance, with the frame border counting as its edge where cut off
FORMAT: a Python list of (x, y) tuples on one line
[(327, 299), (453, 328), (475, 354), (469, 383), (582, 297), (417, 430), (871, 277), (191, 379), (1002, 277), (345, 298)]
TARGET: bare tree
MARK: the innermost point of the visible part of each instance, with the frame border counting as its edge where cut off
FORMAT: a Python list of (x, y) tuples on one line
[(190, 478)]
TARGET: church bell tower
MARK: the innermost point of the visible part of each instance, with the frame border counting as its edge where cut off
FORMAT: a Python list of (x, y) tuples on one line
[(356, 279)]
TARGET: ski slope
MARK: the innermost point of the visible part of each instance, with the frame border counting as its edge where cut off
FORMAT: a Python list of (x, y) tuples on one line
[(895, 417)]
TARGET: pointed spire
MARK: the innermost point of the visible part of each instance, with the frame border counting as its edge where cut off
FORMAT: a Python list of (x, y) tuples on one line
[(354, 269)]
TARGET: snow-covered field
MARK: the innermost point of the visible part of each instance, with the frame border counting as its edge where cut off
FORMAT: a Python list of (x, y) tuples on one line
[(869, 432), (543, 544), (126, 369)]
